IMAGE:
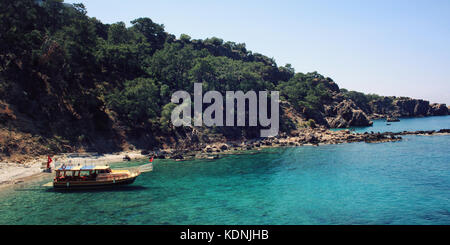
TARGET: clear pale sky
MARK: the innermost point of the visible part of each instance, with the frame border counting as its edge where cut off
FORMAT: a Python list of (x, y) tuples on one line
[(399, 47)]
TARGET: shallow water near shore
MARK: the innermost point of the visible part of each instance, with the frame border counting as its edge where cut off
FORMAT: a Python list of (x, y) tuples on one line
[(405, 182)]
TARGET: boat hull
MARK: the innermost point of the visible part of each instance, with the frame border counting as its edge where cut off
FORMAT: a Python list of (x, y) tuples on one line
[(77, 185)]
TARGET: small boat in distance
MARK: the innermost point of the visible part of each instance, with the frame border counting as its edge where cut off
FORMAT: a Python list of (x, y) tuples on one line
[(89, 177)]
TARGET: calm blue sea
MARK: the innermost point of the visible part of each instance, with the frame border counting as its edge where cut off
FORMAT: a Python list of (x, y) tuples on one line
[(406, 124), (405, 182)]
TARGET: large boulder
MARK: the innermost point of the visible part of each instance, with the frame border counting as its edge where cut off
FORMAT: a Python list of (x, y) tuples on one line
[(311, 138), (338, 122), (208, 149), (224, 147), (347, 115)]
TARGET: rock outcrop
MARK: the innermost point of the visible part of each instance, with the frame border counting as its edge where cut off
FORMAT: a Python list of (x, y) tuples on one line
[(405, 107), (411, 107), (438, 110), (382, 106), (347, 114)]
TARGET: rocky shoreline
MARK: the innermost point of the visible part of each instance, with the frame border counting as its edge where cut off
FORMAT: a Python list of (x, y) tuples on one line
[(344, 111), (17, 173), (317, 136)]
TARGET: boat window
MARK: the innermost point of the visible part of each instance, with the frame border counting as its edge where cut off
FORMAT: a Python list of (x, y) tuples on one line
[(84, 173)]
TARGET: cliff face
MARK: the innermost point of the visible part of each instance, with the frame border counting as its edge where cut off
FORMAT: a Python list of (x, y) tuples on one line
[(410, 107), (406, 107), (338, 111), (346, 109), (438, 110), (335, 110)]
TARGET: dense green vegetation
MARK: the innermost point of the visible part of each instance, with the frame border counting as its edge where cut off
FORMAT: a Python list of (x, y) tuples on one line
[(361, 99), (73, 75), (306, 90)]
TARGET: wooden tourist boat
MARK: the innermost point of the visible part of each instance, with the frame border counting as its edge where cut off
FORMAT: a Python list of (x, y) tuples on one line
[(89, 177)]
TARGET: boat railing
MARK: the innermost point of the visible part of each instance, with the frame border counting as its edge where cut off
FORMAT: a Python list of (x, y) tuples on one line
[(58, 163), (79, 162)]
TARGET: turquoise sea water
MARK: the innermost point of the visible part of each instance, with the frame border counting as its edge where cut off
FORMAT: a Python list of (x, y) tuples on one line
[(406, 124), (405, 182)]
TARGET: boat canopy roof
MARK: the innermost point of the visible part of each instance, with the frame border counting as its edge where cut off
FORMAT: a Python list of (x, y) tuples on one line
[(82, 168)]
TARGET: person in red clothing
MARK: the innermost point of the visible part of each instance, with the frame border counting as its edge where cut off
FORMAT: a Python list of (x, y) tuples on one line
[(49, 160)]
